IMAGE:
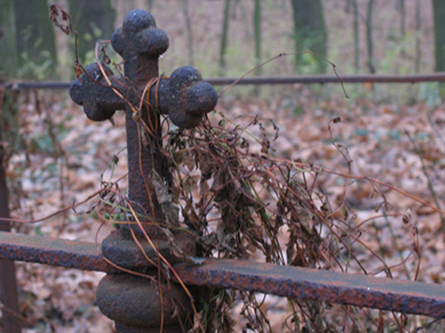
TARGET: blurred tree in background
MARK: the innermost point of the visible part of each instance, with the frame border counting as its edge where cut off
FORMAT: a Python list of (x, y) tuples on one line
[(36, 46), (233, 36), (224, 36), (8, 49), (439, 34), (93, 20), (310, 34)]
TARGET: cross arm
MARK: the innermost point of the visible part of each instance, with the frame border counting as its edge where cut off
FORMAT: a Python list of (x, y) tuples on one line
[(185, 97), (93, 92)]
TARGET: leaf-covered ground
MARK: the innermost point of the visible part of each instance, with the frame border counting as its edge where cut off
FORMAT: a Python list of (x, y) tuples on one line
[(63, 158)]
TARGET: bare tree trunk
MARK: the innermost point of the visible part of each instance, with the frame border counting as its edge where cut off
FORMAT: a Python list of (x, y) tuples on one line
[(310, 31), (348, 5), (35, 35), (356, 36), (8, 44), (369, 37), (257, 33), (402, 19), (8, 280), (439, 34), (150, 4), (418, 36), (402, 26), (257, 37), (93, 20), (223, 47), (188, 24)]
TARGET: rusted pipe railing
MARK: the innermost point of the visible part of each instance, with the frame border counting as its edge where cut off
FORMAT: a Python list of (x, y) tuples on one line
[(321, 79), (295, 282), (263, 80)]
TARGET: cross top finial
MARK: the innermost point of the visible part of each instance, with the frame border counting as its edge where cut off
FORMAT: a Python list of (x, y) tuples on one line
[(140, 44), (139, 35)]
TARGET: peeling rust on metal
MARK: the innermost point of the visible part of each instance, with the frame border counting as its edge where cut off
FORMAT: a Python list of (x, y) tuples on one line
[(126, 253), (321, 285), (140, 305), (286, 281), (54, 252)]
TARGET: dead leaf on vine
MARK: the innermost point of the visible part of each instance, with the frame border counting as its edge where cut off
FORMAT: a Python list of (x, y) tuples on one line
[(190, 183), (169, 208)]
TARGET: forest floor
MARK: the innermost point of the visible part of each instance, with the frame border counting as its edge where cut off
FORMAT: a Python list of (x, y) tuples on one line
[(64, 158)]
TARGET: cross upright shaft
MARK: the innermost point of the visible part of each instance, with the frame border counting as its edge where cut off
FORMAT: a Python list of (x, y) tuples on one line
[(140, 44)]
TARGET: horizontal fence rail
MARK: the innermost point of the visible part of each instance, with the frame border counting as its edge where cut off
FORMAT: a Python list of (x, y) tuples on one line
[(263, 80), (287, 281)]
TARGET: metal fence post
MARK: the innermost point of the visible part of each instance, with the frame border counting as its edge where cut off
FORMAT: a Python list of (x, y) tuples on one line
[(136, 303)]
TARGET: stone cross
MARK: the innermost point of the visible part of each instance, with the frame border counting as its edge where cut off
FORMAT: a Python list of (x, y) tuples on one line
[(184, 97)]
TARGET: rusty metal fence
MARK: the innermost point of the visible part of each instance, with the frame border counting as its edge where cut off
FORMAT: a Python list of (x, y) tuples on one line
[(131, 300), (272, 80), (302, 283)]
